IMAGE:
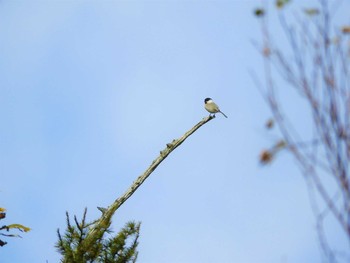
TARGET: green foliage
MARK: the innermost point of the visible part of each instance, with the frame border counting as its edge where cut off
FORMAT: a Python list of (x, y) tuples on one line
[(116, 249), (19, 227)]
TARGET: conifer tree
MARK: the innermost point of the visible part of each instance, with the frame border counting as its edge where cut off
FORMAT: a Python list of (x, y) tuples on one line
[(87, 242)]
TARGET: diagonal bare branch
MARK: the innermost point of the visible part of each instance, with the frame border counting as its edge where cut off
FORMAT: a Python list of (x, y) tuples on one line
[(102, 224)]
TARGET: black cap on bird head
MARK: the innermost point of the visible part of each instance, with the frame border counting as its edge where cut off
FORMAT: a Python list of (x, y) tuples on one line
[(207, 99)]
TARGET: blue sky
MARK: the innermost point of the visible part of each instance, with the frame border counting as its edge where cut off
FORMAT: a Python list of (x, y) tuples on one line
[(91, 91)]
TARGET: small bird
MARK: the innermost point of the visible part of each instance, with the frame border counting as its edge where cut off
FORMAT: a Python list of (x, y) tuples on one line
[(211, 106)]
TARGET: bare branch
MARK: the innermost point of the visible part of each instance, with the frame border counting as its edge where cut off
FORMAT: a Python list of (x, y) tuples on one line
[(102, 224), (316, 64)]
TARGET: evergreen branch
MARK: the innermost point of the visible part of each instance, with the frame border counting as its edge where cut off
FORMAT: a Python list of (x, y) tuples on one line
[(103, 223)]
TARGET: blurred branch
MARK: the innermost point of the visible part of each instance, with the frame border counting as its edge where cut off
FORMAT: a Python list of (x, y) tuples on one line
[(316, 66), (19, 227)]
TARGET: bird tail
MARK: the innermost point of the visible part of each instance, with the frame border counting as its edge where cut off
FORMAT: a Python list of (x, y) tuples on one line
[(223, 114)]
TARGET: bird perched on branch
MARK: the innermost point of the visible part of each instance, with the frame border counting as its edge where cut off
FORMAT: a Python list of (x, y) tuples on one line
[(211, 106)]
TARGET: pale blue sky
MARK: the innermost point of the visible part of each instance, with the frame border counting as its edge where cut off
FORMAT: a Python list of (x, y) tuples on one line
[(91, 91)]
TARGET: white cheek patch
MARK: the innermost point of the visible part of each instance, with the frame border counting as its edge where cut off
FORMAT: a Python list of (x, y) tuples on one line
[(210, 101)]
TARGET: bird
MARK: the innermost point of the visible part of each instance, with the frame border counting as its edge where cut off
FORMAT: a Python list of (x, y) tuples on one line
[(211, 107)]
